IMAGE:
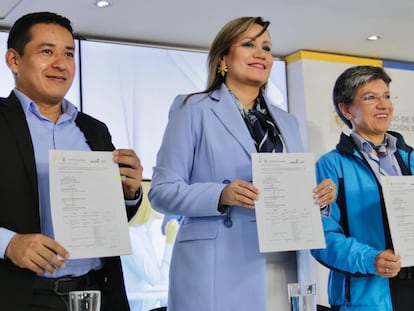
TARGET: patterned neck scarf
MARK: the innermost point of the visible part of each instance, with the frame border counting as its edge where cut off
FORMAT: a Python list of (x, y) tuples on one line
[(386, 164), (262, 128)]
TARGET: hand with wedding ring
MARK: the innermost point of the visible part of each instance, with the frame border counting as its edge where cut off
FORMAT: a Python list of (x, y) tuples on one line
[(325, 193), (387, 264), (240, 193)]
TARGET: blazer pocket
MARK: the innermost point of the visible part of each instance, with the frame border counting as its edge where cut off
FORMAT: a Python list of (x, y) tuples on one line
[(198, 230)]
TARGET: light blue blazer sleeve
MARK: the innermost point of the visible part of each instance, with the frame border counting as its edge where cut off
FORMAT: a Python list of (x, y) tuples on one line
[(206, 143)]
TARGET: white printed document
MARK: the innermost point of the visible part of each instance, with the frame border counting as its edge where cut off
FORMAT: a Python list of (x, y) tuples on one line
[(87, 204), (286, 214), (399, 202)]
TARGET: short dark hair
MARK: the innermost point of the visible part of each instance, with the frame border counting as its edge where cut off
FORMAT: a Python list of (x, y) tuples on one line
[(19, 34), (350, 80)]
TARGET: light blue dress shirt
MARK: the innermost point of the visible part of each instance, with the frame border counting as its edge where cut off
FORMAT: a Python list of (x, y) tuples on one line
[(46, 135)]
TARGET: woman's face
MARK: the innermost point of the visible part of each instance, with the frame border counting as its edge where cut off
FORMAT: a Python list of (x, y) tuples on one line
[(249, 60), (371, 111)]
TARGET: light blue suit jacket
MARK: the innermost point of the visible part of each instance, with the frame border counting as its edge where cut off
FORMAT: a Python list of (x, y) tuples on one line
[(206, 143)]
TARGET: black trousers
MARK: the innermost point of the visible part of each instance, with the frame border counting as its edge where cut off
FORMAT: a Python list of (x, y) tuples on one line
[(45, 300), (48, 296), (402, 294)]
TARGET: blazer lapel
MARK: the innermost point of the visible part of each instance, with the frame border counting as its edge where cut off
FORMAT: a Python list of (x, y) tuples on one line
[(288, 127), (96, 133), (229, 115), (283, 125), (16, 120)]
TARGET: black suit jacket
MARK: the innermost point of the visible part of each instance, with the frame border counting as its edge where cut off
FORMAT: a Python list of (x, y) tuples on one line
[(19, 202)]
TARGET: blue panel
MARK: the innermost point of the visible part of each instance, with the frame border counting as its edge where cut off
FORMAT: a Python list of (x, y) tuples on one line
[(398, 65)]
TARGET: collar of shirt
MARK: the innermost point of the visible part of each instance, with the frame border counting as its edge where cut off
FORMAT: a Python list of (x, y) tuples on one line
[(69, 110), (366, 149), (364, 146)]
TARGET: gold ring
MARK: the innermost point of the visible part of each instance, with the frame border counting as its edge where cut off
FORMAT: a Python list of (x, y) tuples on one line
[(387, 270), (237, 197), (330, 188)]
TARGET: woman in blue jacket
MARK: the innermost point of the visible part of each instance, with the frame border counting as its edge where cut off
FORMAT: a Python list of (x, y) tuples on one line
[(204, 173), (365, 273)]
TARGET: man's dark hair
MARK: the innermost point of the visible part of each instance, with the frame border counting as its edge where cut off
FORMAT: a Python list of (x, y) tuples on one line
[(20, 35)]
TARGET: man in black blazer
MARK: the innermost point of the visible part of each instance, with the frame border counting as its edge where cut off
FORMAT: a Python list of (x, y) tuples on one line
[(36, 272)]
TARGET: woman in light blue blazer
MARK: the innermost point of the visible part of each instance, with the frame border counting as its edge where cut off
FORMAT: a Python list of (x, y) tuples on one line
[(204, 173)]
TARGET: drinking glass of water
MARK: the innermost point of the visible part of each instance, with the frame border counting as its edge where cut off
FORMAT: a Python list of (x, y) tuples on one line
[(302, 296)]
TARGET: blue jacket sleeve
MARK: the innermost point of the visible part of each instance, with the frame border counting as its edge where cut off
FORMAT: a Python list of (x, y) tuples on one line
[(343, 253)]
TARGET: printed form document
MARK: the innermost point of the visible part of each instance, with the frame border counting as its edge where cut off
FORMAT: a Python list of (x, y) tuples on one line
[(87, 204), (286, 214), (399, 200)]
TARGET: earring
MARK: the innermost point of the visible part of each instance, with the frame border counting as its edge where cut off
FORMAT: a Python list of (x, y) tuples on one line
[(222, 69)]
